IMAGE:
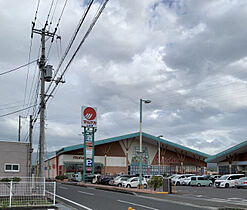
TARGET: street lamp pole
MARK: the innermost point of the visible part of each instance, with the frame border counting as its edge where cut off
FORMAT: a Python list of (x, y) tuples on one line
[(140, 152)]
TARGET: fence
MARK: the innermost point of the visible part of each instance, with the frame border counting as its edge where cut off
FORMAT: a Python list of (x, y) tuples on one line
[(21, 194)]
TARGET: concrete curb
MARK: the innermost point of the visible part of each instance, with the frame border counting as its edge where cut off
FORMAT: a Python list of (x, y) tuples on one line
[(131, 191)]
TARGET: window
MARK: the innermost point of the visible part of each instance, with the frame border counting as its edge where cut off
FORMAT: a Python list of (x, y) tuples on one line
[(200, 178), (10, 167)]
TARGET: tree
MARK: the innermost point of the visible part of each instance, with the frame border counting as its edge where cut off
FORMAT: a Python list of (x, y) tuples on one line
[(155, 182)]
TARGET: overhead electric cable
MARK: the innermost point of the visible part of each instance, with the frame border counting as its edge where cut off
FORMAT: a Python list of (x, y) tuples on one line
[(71, 42), (6, 72), (79, 46), (20, 110)]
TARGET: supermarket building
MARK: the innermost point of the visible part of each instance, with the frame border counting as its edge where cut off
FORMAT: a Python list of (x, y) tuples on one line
[(120, 155), (232, 160)]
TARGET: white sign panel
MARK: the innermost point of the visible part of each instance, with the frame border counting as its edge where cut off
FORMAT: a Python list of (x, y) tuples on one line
[(88, 117)]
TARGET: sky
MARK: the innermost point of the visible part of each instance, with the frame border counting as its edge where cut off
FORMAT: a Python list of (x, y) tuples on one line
[(188, 57)]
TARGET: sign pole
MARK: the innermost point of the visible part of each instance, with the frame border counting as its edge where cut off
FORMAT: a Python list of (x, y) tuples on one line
[(93, 153), (84, 152)]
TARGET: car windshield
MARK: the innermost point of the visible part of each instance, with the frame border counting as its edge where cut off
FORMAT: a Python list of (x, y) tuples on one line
[(124, 178), (243, 178), (118, 177), (223, 177)]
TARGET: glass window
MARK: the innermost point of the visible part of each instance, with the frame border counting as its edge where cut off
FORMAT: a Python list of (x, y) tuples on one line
[(200, 178), (15, 167), (193, 178), (7, 167)]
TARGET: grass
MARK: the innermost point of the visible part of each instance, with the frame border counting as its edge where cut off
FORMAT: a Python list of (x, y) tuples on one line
[(16, 202)]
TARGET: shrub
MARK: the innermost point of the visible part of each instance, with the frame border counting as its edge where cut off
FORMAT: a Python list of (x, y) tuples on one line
[(155, 182)]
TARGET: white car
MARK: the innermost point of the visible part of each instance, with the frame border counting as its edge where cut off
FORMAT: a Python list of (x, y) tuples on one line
[(134, 182), (228, 180), (119, 182), (178, 179), (186, 181)]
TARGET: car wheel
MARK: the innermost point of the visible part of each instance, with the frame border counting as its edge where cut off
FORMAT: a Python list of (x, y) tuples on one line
[(119, 185), (226, 185), (210, 184), (128, 186), (198, 185), (189, 184), (238, 187), (145, 186), (178, 183)]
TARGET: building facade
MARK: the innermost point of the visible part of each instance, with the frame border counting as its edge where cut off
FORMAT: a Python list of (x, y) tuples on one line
[(14, 159), (232, 160), (120, 155)]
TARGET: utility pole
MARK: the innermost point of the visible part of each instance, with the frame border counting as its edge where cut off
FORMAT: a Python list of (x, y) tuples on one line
[(42, 106), (30, 145), (19, 129), (42, 67)]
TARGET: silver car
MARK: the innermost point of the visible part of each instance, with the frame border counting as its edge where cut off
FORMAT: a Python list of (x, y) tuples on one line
[(241, 183)]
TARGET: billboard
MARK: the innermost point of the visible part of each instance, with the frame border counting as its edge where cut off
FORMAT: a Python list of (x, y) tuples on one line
[(88, 117)]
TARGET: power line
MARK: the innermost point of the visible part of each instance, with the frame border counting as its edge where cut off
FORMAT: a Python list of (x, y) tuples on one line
[(79, 46), (20, 110), (71, 41), (9, 71)]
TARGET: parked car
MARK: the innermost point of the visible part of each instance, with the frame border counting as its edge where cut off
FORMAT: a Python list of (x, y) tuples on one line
[(147, 177), (106, 179), (241, 183), (186, 181), (228, 180), (178, 179), (214, 177), (134, 182), (115, 181), (200, 181), (119, 182)]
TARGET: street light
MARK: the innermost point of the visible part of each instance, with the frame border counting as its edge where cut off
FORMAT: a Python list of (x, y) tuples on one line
[(159, 151), (140, 152)]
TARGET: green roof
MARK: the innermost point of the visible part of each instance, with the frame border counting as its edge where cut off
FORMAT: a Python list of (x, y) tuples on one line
[(232, 149), (119, 138)]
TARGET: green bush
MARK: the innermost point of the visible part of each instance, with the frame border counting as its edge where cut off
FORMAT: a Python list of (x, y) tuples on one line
[(155, 182), (14, 179)]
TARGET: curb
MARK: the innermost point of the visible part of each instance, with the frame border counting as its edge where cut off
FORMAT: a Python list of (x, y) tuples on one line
[(114, 189)]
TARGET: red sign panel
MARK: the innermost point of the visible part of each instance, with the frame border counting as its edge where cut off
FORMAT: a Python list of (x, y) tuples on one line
[(89, 117)]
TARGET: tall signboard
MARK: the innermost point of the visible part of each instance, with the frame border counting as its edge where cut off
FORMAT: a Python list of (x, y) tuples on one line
[(89, 123)]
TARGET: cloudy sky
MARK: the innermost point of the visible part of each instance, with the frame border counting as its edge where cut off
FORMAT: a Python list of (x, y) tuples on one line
[(188, 57)]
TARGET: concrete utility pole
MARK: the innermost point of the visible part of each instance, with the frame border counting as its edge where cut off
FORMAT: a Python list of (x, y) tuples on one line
[(30, 145), (42, 106), (42, 68)]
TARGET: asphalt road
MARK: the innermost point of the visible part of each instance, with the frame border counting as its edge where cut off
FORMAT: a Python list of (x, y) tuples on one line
[(90, 198), (213, 192)]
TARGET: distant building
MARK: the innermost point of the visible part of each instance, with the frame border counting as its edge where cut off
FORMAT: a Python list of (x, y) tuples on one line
[(50, 168), (232, 160), (120, 155), (14, 159)]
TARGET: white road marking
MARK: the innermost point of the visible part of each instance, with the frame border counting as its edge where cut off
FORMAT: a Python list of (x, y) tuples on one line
[(198, 196), (65, 188), (136, 204), (178, 202), (234, 198), (74, 202), (86, 193)]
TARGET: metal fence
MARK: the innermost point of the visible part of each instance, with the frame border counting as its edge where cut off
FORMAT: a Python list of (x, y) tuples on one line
[(21, 194)]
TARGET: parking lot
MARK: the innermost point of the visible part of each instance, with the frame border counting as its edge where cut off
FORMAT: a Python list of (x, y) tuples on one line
[(215, 194)]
